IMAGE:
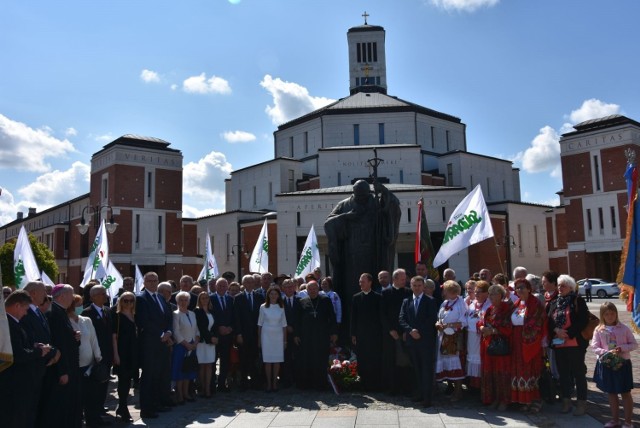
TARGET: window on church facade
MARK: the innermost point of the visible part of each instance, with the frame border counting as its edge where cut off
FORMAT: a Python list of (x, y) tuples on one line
[(356, 135), (381, 133), (159, 230), (589, 223), (596, 172), (601, 220), (520, 248), (449, 174), (535, 239), (306, 142), (433, 138), (613, 220), (291, 180)]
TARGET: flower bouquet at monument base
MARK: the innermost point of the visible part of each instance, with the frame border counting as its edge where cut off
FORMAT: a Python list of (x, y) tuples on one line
[(343, 370)]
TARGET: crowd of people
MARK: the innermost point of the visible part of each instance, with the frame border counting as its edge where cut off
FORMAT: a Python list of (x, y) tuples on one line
[(176, 342)]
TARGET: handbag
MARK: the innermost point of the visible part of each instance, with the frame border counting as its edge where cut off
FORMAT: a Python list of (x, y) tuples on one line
[(190, 362), (592, 323), (100, 372), (498, 346)]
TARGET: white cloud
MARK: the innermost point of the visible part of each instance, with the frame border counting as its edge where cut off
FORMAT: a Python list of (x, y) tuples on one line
[(290, 100), (238, 136), (201, 85), (105, 138), (463, 5), (25, 148), (70, 132), (203, 180), (149, 76), (192, 212), (544, 153), (593, 109), (174, 87), (55, 187)]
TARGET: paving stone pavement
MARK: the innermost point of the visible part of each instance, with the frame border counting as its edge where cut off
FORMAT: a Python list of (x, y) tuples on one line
[(296, 408)]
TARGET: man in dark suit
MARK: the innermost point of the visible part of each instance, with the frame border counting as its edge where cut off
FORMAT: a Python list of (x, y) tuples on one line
[(246, 309), (95, 394), (418, 317), (155, 323), (37, 327), (17, 395), (394, 378), (186, 284), (291, 308), (62, 381), (224, 319), (366, 332)]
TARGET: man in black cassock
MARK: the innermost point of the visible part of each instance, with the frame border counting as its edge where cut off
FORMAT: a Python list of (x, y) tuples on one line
[(366, 333), (315, 329), (395, 374)]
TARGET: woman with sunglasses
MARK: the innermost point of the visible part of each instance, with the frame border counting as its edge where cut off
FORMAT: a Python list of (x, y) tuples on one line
[(125, 350)]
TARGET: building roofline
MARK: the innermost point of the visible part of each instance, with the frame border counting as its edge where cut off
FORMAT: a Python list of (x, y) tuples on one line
[(453, 152), (600, 123), (283, 158), (508, 201), (140, 142), (38, 214)]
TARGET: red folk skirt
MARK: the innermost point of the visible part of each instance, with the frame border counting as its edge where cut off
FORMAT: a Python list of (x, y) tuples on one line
[(524, 374)]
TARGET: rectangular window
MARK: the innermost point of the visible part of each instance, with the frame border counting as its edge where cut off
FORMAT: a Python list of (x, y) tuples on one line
[(401, 177), (358, 53), (447, 136), (255, 196), (149, 184), (381, 133), (535, 238), (408, 215), (433, 138), (270, 192), (291, 146), (613, 219), (596, 172), (292, 180), (369, 54), (601, 220), (339, 178), (137, 228), (589, 223), (298, 219), (159, 229), (449, 174), (105, 188), (356, 135), (520, 249), (444, 214), (229, 248), (306, 142), (375, 52)]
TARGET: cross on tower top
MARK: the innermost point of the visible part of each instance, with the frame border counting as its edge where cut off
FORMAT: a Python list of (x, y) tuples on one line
[(365, 15)]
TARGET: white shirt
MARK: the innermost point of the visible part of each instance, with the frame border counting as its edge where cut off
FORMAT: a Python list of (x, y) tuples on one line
[(89, 348)]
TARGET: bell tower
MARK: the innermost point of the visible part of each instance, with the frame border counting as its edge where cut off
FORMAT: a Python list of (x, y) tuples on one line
[(367, 59)]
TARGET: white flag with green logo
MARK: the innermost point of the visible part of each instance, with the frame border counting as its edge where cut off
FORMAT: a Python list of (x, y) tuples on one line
[(210, 268), (310, 256), (25, 268), (112, 281), (45, 279), (469, 224), (259, 261), (139, 280), (98, 260)]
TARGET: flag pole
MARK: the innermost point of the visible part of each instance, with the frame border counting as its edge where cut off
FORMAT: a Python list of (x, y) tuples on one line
[(495, 241)]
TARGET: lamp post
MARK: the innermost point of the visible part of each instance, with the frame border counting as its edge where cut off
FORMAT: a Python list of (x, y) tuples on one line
[(83, 226), (508, 242)]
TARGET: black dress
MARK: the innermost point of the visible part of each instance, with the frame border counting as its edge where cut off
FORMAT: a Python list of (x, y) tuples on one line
[(127, 334)]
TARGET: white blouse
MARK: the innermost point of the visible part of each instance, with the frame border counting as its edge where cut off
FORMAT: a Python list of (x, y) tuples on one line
[(89, 347), (185, 327)]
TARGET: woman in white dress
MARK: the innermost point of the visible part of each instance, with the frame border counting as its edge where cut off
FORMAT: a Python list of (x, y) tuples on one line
[(451, 321), (272, 328), (186, 336), (475, 313), (206, 350)]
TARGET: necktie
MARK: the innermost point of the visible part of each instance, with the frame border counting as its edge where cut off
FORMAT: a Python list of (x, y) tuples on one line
[(155, 296), (221, 302), (251, 300), (416, 303), (43, 321)]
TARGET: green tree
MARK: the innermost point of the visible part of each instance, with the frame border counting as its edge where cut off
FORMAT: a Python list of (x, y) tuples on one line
[(44, 258)]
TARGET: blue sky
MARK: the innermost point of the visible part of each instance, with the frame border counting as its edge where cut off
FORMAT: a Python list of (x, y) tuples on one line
[(216, 77)]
